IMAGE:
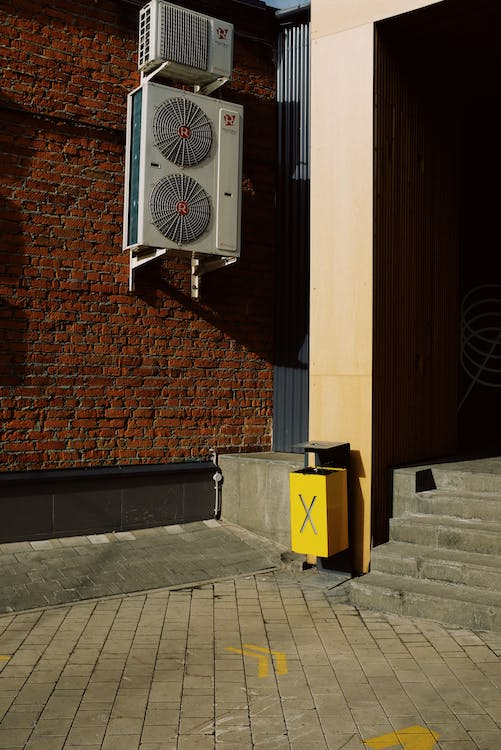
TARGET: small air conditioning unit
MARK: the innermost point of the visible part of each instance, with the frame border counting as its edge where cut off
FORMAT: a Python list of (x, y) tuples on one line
[(196, 49), (183, 172)]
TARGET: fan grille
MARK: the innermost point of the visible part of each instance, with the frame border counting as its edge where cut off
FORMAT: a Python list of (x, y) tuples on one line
[(182, 132), (180, 208)]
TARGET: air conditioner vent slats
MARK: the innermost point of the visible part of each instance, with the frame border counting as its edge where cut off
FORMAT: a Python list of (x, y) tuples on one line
[(183, 45), (184, 37), (144, 35), (182, 132)]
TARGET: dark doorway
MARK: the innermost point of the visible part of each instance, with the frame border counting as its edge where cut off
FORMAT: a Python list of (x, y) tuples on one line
[(436, 163), (479, 408)]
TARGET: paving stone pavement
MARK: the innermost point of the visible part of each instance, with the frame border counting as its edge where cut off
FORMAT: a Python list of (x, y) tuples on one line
[(273, 661), (57, 571)]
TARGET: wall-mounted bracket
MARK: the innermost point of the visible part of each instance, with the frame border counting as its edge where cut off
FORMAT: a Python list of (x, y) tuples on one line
[(200, 266), (145, 77), (205, 90), (139, 257), (209, 88)]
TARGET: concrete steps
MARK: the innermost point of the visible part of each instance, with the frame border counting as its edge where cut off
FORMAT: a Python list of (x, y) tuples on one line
[(443, 560), (447, 532), (465, 606), (483, 475), (435, 564), (484, 506)]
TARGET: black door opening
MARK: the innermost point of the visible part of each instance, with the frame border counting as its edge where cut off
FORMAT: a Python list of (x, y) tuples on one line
[(479, 405), (436, 161)]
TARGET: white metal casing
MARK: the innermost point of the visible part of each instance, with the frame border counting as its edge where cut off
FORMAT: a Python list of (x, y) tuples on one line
[(198, 49), (148, 171)]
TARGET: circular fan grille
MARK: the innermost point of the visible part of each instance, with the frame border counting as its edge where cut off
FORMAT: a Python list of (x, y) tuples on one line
[(180, 208), (182, 132)]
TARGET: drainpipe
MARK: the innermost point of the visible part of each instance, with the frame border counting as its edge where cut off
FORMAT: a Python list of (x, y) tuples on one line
[(218, 480)]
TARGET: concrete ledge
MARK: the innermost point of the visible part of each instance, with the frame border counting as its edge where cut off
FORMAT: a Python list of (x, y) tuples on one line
[(255, 492)]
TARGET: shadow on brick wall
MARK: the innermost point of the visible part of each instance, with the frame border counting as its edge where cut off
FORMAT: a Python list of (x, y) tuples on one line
[(234, 300), (13, 320), (238, 300)]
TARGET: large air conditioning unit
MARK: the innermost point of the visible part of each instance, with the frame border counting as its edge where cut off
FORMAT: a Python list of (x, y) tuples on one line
[(193, 48), (183, 172)]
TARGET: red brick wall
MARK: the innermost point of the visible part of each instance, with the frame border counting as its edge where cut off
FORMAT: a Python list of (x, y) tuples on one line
[(91, 374)]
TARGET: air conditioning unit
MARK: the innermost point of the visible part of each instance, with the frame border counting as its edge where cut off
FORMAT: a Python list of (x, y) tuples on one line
[(196, 49), (183, 172)]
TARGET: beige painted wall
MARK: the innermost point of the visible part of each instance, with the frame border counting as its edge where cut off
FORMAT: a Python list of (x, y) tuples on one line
[(331, 16), (341, 236)]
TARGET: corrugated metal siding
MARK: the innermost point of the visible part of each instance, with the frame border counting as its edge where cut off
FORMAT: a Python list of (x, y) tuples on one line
[(415, 277), (290, 406)]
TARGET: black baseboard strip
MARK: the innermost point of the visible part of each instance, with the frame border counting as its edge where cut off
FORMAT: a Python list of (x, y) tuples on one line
[(72, 502)]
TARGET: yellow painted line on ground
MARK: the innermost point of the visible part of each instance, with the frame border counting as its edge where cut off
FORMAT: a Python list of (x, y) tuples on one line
[(280, 658), (411, 738), (262, 664), (263, 656), (4, 657)]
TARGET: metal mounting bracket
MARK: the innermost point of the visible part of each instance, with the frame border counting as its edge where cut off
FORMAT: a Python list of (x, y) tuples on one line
[(200, 266), (139, 257), (210, 87), (206, 90), (145, 77)]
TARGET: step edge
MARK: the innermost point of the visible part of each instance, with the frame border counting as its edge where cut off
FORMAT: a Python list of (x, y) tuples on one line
[(408, 550), (468, 593)]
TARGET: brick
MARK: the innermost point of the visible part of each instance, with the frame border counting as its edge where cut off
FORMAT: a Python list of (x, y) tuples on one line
[(94, 373)]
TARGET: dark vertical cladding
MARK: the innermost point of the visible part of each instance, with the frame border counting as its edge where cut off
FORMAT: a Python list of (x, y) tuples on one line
[(415, 270), (290, 405)]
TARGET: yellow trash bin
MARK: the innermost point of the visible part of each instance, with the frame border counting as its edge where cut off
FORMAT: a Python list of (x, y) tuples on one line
[(319, 511)]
